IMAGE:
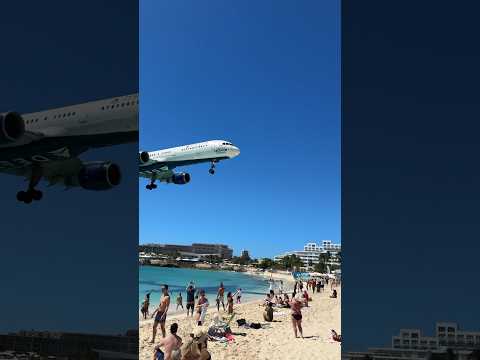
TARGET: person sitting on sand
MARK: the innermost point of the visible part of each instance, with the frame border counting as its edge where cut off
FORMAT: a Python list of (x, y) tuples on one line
[(202, 305), (335, 336), (296, 307), (145, 306), (334, 294), (171, 344), (179, 300), (268, 313), (266, 300), (230, 303), (286, 300), (161, 313)]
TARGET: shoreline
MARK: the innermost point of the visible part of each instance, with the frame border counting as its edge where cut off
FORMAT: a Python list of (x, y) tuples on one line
[(286, 278)]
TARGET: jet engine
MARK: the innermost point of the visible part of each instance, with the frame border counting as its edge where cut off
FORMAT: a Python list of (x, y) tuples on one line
[(143, 157), (12, 127), (181, 178), (99, 176)]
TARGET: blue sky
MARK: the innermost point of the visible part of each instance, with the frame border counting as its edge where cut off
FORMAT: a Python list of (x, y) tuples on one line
[(266, 76)]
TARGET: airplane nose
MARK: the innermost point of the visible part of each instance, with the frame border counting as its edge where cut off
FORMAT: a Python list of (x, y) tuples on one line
[(236, 151)]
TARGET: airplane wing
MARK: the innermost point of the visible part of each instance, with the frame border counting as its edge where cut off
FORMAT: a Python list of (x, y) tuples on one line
[(161, 174)]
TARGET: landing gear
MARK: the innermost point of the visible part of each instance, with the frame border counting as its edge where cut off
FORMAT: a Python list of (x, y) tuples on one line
[(31, 194), (152, 184), (212, 168)]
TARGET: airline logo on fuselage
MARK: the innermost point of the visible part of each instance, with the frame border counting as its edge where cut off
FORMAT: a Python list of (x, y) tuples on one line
[(55, 155)]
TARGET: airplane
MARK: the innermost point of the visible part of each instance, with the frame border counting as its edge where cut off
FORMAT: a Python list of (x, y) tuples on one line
[(46, 144), (159, 165)]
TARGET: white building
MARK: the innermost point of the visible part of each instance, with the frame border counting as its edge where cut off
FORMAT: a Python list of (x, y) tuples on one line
[(311, 253), (410, 343)]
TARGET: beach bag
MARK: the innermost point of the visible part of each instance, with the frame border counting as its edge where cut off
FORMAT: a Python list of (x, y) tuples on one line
[(241, 322), (256, 325)]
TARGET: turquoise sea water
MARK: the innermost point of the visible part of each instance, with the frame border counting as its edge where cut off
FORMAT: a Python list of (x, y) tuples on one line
[(152, 279)]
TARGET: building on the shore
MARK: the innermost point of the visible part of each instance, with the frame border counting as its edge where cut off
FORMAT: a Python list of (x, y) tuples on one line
[(412, 344), (245, 254), (311, 253), (196, 250)]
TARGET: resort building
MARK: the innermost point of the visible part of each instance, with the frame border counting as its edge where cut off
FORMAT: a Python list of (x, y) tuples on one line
[(245, 254), (197, 250), (311, 253), (411, 343)]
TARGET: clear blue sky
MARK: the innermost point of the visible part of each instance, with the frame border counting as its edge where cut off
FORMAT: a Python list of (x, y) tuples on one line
[(266, 76)]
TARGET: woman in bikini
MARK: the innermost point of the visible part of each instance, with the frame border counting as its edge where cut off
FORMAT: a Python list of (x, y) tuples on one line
[(296, 307), (230, 303)]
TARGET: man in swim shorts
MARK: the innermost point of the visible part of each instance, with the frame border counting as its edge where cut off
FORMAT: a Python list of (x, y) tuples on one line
[(161, 313), (190, 299)]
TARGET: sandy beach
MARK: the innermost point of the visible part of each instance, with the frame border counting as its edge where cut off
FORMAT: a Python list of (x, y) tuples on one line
[(274, 342)]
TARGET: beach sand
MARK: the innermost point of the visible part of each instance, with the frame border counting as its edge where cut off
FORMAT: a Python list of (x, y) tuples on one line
[(275, 342)]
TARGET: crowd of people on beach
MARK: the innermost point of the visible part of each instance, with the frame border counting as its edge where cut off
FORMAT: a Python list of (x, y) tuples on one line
[(197, 305)]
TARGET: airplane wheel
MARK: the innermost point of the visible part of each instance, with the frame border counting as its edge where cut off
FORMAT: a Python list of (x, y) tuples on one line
[(211, 171), (21, 196), (154, 186), (149, 187), (24, 196), (37, 195)]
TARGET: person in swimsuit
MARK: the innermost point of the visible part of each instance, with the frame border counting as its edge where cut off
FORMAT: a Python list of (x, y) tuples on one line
[(161, 313), (202, 305), (230, 303), (335, 336), (179, 300), (171, 344), (296, 307), (220, 297), (239, 295), (190, 298), (145, 306)]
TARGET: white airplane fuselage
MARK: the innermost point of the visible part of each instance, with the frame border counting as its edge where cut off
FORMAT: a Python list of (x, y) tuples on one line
[(46, 144), (158, 165), (207, 151), (88, 125)]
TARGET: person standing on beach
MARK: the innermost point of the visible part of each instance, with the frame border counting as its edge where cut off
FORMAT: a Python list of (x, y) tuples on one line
[(221, 297), (271, 284), (239, 295), (161, 313), (145, 306), (202, 306), (296, 307), (280, 287), (230, 303), (190, 298), (179, 300), (171, 344)]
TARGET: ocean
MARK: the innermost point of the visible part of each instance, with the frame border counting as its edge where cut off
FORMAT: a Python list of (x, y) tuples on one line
[(152, 279)]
